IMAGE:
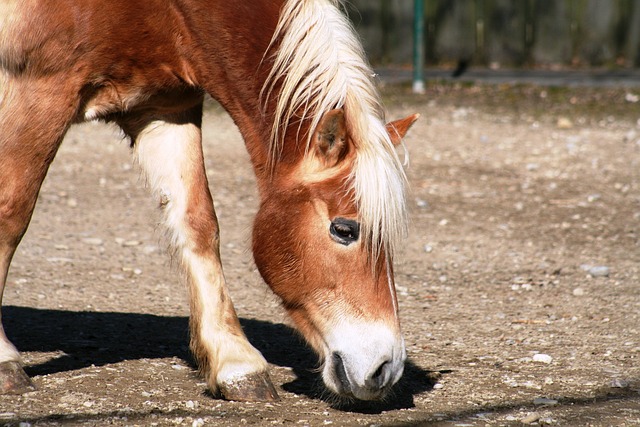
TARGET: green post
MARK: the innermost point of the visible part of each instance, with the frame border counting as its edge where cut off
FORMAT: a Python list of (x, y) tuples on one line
[(418, 46)]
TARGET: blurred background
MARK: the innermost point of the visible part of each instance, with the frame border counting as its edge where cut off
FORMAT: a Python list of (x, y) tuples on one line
[(549, 34)]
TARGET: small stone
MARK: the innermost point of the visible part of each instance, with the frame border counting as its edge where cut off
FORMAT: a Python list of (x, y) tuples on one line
[(422, 204), (531, 385), (542, 358), (72, 203), (531, 418), (149, 249), (578, 292), (178, 367), (599, 271), (544, 401), (619, 383), (564, 123), (189, 404), (438, 386), (60, 260), (197, 423), (130, 243), (428, 248), (93, 241)]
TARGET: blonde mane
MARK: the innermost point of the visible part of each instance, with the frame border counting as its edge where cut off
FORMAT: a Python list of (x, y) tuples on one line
[(319, 65)]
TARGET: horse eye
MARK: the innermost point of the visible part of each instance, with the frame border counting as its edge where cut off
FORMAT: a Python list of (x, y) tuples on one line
[(344, 231)]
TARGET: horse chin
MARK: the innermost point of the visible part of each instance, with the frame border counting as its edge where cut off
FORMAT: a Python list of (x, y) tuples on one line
[(363, 361)]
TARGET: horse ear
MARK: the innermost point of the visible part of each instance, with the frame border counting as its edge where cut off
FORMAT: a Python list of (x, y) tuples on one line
[(398, 128), (330, 138)]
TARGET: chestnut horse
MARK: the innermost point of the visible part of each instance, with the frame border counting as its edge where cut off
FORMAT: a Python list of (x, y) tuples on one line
[(293, 77)]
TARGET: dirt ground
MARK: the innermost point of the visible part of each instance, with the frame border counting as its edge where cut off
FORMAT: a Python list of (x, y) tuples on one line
[(518, 283)]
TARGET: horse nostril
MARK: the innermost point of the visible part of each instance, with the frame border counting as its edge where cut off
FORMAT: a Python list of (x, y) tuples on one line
[(341, 373), (377, 379)]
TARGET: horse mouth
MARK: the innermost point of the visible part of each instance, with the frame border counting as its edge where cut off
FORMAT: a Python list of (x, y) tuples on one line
[(375, 386)]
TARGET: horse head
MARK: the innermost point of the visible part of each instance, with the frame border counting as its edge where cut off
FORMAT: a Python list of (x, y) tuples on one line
[(310, 247)]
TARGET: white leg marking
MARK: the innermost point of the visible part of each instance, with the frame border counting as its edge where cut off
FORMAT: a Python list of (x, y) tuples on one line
[(8, 352), (171, 156)]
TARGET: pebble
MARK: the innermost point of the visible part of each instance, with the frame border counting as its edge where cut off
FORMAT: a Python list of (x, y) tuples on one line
[(531, 418), (542, 358), (618, 383), (531, 385), (93, 241), (178, 367), (149, 249), (564, 123), (578, 292), (402, 291), (422, 203), (599, 271), (545, 401), (60, 260)]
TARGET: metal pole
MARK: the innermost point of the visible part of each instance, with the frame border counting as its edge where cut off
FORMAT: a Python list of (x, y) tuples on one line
[(418, 46)]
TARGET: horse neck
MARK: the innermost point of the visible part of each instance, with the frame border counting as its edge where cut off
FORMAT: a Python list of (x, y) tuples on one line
[(229, 45)]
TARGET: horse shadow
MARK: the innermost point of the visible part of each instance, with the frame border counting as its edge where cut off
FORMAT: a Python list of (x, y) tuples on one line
[(102, 338)]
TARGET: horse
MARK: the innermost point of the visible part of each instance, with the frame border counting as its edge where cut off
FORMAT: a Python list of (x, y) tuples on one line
[(293, 76)]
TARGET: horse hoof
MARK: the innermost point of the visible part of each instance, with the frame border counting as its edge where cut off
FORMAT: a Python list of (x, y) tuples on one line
[(251, 388), (13, 379)]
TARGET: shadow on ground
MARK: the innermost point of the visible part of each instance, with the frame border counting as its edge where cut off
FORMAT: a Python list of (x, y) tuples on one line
[(101, 338)]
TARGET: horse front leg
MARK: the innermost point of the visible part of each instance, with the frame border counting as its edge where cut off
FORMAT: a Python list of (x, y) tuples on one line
[(34, 116), (170, 153)]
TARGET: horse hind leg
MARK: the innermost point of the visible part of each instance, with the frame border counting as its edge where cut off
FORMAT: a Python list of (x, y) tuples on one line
[(34, 116), (170, 154)]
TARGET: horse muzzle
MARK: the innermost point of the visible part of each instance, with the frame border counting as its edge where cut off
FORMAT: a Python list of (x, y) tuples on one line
[(364, 362)]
